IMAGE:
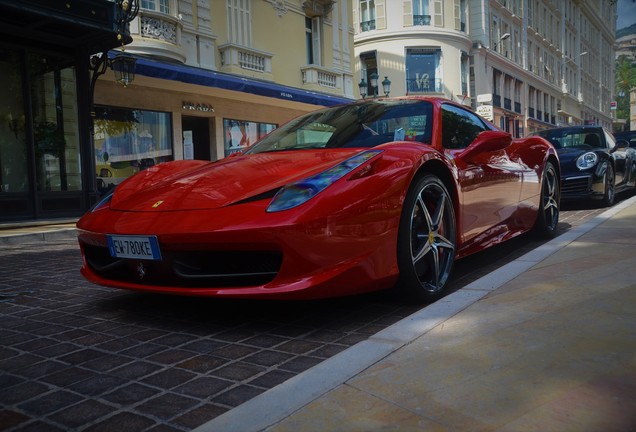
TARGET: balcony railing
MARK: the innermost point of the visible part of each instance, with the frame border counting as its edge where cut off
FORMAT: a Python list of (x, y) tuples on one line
[(424, 85), (539, 115), (531, 112), (367, 25), (546, 117), (318, 76), (517, 107), (508, 104), (421, 20), (235, 58), (496, 100)]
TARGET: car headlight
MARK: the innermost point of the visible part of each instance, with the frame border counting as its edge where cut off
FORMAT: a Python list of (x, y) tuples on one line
[(586, 160), (297, 193)]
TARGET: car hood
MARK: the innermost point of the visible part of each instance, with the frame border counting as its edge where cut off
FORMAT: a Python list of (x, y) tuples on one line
[(198, 185)]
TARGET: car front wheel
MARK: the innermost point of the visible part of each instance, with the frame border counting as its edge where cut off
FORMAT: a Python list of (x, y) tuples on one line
[(426, 239), (548, 217), (608, 195)]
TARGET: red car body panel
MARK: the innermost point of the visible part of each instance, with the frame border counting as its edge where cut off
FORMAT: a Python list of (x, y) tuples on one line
[(341, 242)]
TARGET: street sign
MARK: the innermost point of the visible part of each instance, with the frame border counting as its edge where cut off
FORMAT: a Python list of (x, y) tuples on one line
[(484, 98), (486, 111)]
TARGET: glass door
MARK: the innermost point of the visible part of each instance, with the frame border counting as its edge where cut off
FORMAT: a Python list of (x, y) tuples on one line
[(56, 143)]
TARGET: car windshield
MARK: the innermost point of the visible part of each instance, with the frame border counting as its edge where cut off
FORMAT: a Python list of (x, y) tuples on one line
[(573, 138), (365, 124)]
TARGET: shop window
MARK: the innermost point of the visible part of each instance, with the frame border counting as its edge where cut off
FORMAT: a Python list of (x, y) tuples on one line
[(423, 70), (128, 141), (13, 141), (55, 123), (241, 134)]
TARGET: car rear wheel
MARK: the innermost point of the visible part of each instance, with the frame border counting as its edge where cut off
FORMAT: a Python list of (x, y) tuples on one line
[(426, 239), (548, 217), (608, 195)]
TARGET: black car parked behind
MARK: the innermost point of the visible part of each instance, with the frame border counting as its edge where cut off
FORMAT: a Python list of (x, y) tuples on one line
[(593, 166)]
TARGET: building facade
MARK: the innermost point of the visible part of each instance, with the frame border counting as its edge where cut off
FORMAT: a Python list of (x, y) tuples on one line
[(45, 102), (211, 77), (526, 65)]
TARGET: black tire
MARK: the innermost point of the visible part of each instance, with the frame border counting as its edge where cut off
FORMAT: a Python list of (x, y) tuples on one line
[(426, 240), (548, 217), (610, 183)]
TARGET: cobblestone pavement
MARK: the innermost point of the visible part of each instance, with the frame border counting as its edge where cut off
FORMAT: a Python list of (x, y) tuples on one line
[(75, 356)]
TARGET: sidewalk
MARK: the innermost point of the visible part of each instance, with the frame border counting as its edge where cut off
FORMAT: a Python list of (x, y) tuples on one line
[(28, 232), (545, 343)]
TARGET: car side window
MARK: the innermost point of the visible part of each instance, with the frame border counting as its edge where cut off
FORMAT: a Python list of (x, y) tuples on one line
[(459, 127), (609, 139)]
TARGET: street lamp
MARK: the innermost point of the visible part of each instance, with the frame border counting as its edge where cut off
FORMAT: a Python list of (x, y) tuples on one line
[(502, 38), (363, 88), (373, 80), (386, 86)]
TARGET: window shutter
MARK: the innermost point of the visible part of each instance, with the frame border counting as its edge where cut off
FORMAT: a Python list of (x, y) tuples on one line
[(356, 24), (458, 15), (316, 34), (408, 13), (439, 13), (380, 15)]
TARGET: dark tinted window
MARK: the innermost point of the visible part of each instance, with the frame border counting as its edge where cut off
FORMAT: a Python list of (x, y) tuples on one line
[(460, 127)]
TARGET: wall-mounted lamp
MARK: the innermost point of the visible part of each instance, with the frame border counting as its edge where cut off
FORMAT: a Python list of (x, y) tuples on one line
[(124, 67), (122, 64)]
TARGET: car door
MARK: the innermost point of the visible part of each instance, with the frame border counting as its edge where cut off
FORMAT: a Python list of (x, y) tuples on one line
[(490, 181)]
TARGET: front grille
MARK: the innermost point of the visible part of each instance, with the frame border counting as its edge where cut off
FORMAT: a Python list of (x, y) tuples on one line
[(576, 186), (191, 269)]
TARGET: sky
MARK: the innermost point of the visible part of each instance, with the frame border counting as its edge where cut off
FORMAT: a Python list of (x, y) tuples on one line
[(626, 13)]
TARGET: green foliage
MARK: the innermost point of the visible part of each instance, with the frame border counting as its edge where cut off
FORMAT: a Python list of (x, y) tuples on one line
[(625, 81)]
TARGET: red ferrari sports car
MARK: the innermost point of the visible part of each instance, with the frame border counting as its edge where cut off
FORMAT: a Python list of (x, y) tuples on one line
[(349, 199)]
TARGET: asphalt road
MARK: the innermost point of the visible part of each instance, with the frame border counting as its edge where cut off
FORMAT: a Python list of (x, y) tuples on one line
[(75, 356)]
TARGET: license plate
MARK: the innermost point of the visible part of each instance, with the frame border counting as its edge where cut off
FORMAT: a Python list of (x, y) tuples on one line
[(136, 247)]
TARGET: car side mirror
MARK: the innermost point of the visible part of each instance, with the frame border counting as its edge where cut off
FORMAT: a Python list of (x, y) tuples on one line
[(622, 144), (486, 141)]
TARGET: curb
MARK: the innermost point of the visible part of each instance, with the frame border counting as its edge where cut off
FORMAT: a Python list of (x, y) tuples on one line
[(280, 402)]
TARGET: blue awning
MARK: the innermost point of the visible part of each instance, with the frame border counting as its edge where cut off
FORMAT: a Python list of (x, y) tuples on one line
[(203, 77)]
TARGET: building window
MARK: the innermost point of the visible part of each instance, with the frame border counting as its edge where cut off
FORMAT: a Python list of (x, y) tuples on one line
[(241, 134), (423, 70), (369, 66), (162, 6), (239, 22), (128, 141), (313, 39), (367, 15), (421, 12), (464, 73)]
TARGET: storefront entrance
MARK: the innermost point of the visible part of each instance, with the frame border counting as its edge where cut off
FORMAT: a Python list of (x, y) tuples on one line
[(196, 138), (40, 169)]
